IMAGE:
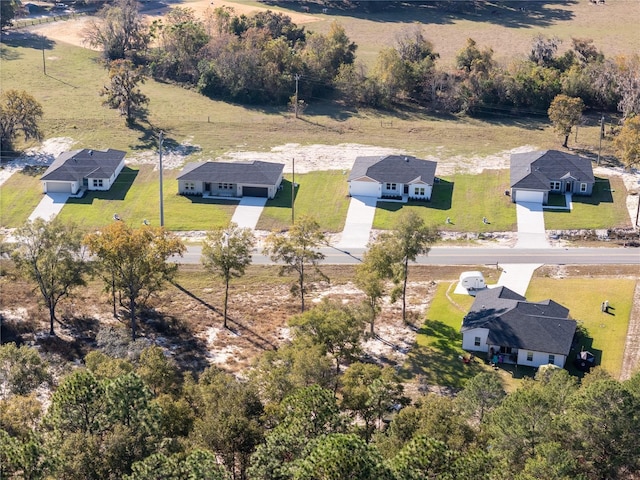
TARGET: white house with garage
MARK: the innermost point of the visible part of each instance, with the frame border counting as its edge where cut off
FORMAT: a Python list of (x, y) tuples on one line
[(536, 174), (231, 179), (504, 324), (80, 170), (392, 176)]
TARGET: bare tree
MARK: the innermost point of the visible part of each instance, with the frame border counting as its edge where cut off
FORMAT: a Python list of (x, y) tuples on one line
[(120, 31)]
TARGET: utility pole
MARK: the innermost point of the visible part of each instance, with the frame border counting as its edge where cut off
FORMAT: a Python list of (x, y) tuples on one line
[(295, 107), (160, 141), (44, 63), (601, 135), (293, 190)]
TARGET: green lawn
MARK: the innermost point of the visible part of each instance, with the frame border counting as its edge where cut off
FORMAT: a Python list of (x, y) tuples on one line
[(435, 355), (465, 199), (583, 297), (19, 195), (135, 197), (322, 195), (605, 208)]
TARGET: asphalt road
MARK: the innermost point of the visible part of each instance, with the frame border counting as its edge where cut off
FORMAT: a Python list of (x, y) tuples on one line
[(474, 256)]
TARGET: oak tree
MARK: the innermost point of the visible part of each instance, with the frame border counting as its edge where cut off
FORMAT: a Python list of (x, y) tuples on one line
[(120, 31), (19, 114), (51, 254), (137, 259), (627, 142), (123, 92), (564, 113)]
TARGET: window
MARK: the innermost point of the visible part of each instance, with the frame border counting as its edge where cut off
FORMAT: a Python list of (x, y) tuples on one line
[(555, 185), (552, 359), (583, 187), (529, 356), (97, 182), (419, 191), (190, 186), (391, 186), (225, 186), (476, 341)]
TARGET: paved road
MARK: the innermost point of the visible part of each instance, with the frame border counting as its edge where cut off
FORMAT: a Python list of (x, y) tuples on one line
[(477, 256)]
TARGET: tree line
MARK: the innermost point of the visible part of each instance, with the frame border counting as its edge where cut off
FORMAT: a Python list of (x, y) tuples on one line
[(132, 414), (256, 59), (134, 263)]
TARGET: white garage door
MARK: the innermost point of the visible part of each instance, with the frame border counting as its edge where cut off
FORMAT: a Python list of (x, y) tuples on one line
[(529, 196), (364, 189), (58, 187)]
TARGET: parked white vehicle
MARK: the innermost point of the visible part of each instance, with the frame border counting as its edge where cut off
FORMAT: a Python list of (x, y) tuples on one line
[(473, 280)]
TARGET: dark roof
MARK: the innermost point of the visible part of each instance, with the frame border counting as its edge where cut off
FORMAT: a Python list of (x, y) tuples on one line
[(78, 164), (255, 172), (514, 322), (394, 169), (535, 170)]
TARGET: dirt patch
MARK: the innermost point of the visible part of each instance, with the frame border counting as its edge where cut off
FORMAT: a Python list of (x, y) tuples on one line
[(72, 31)]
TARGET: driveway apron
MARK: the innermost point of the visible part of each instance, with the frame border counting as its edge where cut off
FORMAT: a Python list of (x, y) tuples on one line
[(357, 227), (516, 276), (531, 232), (248, 212), (49, 206)]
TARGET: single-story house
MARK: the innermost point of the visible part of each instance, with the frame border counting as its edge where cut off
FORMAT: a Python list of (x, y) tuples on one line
[(392, 176), (83, 170), (503, 323), (231, 179), (535, 174)]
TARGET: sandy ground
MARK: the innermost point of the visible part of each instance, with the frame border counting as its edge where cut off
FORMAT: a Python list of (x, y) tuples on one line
[(72, 31)]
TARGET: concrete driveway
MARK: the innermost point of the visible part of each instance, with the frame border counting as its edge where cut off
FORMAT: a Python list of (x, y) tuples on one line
[(49, 206), (357, 227), (531, 231), (248, 212)]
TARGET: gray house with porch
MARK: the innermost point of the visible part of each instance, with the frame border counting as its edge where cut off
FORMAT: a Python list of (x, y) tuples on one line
[(231, 179), (392, 176), (80, 170), (536, 174), (503, 323)]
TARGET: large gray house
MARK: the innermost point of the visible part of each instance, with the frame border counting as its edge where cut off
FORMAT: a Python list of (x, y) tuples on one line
[(83, 169), (231, 179), (520, 332), (535, 174), (392, 176)]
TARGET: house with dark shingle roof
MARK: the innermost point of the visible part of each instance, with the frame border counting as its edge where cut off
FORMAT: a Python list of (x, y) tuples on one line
[(392, 176), (231, 179), (83, 169), (525, 333), (535, 174)]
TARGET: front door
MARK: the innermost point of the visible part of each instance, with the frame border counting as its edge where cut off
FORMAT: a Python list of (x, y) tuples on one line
[(207, 187), (406, 189), (567, 187)]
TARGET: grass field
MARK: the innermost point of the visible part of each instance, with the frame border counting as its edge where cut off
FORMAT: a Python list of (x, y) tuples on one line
[(606, 333), (322, 195), (435, 355), (72, 108), (605, 208), (19, 195), (134, 198), (465, 199)]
